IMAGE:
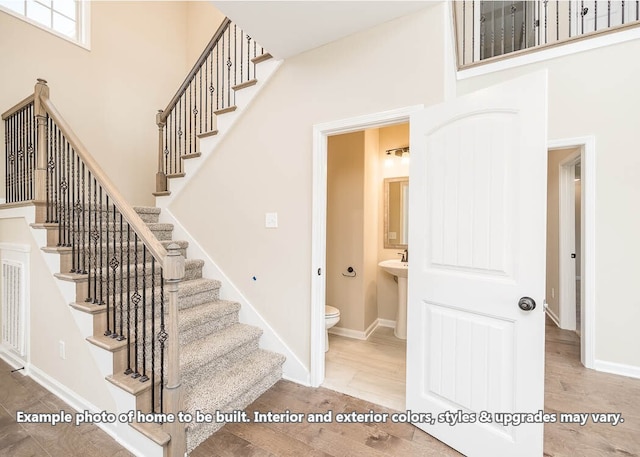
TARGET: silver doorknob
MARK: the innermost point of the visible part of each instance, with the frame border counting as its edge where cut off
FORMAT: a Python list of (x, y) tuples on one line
[(527, 304)]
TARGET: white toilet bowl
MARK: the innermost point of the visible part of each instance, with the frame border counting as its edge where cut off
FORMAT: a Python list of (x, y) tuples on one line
[(331, 318)]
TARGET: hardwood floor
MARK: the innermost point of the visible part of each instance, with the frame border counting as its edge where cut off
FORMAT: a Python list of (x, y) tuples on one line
[(569, 388), (21, 393)]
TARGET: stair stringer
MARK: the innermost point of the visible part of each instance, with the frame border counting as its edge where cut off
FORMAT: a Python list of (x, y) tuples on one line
[(293, 368), (129, 438), (225, 123)]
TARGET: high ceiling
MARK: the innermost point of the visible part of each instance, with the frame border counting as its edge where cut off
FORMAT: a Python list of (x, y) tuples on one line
[(287, 28)]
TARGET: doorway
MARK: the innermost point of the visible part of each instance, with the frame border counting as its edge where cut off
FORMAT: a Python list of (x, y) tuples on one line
[(571, 240), (321, 132)]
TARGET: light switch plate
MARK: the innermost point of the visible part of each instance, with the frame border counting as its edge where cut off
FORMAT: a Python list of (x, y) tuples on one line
[(271, 220)]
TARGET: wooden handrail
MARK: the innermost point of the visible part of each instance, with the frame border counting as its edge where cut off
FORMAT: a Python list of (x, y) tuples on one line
[(17, 107), (205, 54), (139, 227)]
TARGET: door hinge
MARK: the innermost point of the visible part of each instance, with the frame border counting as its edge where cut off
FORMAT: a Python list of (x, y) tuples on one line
[(319, 271)]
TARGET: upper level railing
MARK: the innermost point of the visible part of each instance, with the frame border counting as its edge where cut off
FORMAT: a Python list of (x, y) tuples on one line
[(129, 274), (226, 63), (487, 31)]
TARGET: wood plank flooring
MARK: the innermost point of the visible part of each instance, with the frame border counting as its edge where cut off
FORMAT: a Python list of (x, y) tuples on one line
[(569, 388), (21, 393)]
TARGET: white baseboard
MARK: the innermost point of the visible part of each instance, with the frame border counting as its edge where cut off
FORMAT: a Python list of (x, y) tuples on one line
[(617, 368), (386, 323), (14, 361), (293, 369), (359, 334), (348, 333), (552, 315)]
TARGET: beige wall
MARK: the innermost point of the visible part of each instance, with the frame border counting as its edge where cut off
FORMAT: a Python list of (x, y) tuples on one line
[(203, 20), (394, 136), (345, 223), (352, 227), (265, 163), (553, 228), (110, 94), (52, 322), (594, 93)]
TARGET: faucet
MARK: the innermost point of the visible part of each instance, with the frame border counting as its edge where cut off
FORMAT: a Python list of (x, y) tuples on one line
[(405, 255)]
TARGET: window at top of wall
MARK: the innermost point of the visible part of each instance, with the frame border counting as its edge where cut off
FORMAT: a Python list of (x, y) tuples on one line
[(65, 18)]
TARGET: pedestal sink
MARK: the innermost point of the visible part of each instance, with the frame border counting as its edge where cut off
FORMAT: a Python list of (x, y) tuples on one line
[(401, 271)]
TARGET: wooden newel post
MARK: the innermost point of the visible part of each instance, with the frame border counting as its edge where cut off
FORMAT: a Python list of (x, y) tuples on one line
[(41, 93), (173, 274), (161, 177)]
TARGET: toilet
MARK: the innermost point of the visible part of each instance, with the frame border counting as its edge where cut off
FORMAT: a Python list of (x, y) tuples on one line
[(331, 318)]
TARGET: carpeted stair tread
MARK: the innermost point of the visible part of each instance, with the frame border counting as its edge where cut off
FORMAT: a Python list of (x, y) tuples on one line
[(206, 350), (148, 213), (189, 264), (230, 389), (195, 316)]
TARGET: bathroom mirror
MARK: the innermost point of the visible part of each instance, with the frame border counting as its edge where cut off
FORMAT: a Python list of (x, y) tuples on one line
[(396, 212)]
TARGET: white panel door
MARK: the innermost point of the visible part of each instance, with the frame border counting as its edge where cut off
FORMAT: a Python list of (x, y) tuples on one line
[(477, 242)]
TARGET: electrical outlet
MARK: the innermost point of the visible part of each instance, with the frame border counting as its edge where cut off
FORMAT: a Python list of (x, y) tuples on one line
[(271, 220), (61, 350)]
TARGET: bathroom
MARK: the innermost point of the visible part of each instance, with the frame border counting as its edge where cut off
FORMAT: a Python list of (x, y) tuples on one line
[(365, 358)]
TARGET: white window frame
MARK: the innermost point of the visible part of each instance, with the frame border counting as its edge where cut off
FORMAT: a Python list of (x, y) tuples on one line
[(82, 38)]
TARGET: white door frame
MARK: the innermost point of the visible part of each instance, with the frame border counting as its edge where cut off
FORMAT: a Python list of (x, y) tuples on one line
[(587, 157), (319, 218)]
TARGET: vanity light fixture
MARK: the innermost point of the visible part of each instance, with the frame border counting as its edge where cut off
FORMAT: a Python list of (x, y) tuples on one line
[(403, 153), (388, 161)]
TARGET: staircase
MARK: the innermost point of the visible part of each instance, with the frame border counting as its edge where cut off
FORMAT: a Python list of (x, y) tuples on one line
[(173, 345), (222, 366)]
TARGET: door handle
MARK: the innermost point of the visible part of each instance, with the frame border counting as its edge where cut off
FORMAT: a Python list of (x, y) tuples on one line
[(527, 304)]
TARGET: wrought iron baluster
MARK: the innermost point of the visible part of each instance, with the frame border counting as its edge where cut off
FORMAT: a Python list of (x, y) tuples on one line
[(235, 56), (121, 335), (128, 295), (202, 108), (223, 82), (162, 338), (101, 264), (74, 212), (557, 20), (144, 376), (570, 18), (595, 15), (502, 27), (188, 151), (68, 203), (108, 331), (229, 68), (135, 298), (84, 223), (218, 75), (622, 6), (56, 178), (153, 334), (89, 260), (609, 14)]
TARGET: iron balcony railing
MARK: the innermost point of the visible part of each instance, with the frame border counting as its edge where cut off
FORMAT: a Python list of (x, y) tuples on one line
[(487, 31), (226, 64)]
